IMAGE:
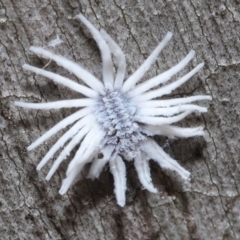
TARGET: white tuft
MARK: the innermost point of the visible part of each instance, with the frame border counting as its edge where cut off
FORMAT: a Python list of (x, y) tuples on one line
[(118, 170), (55, 42)]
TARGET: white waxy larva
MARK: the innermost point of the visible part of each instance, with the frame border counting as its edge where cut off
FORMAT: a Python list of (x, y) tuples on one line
[(117, 118)]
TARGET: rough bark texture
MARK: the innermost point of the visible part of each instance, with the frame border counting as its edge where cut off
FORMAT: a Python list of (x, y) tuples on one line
[(31, 207)]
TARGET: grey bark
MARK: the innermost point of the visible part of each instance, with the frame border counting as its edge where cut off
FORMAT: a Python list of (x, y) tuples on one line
[(31, 207)]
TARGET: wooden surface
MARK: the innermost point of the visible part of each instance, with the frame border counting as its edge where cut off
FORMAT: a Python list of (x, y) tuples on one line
[(31, 208)]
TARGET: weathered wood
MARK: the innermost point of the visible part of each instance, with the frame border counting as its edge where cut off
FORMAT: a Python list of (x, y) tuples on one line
[(31, 207)]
